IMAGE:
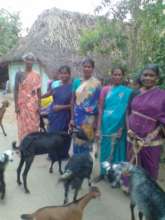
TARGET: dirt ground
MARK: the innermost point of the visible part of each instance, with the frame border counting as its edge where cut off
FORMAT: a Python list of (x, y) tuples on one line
[(45, 189)]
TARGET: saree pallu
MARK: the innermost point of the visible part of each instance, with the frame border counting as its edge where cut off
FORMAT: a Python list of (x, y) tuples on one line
[(147, 114), (28, 117), (113, 119), (85, 112)]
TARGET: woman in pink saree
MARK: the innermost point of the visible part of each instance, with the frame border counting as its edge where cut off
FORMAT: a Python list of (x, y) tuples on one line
[(27, 98), (146, 123)]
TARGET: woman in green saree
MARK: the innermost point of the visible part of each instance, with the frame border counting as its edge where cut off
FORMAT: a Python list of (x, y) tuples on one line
[(111, 130)]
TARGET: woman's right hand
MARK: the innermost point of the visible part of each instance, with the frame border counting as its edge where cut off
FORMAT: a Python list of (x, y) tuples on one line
[(131, 134), (71, 124), (97, 134)]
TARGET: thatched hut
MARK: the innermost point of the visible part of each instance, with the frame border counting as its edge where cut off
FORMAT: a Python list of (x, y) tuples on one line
[(54, 40)]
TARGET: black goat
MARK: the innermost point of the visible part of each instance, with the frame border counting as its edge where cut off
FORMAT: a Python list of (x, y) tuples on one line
[(145, 193), (42, 123), (77, 169), (4, 159), (43, 143)]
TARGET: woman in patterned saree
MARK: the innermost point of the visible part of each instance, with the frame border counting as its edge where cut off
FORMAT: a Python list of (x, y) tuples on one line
[(27, 98), (111, 130), (85, 103)]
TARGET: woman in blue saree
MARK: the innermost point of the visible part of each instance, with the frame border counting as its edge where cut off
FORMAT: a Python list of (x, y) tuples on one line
[(114, 101), (85, 107), (60, 110)]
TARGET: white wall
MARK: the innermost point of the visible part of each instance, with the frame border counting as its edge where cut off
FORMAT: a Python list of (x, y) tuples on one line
[(19, 66)]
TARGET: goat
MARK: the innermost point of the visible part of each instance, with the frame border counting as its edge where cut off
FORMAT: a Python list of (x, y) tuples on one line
[(42, 124), (42, 143), (77, 169), (5, 105), (4, 159), (145, 193), (71, 211)]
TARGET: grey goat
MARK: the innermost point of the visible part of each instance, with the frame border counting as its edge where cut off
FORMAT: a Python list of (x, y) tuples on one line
[(145, 193)]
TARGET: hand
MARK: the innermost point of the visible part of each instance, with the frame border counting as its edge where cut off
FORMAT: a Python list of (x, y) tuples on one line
[(71, 124), (17, 110), (97, 134), (119, 133), (57, 108), (131, 134), (149, 138)]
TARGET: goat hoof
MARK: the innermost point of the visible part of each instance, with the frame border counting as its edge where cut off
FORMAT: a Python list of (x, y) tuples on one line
[(50, 171), (2, 197), (65, 202), (19, 183), (27, 191)]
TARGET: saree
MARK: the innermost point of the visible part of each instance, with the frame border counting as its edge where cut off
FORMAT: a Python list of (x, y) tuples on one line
[(85, 112), (145, 120), (59, 121), (113, 118), (28, 117)]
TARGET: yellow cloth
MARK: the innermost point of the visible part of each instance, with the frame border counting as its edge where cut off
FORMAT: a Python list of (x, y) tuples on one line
[(45, 102)]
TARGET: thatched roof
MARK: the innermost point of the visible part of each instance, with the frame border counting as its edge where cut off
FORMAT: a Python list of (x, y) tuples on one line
[(53, 38)]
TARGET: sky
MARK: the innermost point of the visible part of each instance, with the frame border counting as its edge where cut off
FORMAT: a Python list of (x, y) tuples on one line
[(30, 9)]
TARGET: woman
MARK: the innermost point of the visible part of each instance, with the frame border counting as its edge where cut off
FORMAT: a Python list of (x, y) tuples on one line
[(146, 122), (85, 102), (27, 98), (111, 130), (60, 110)]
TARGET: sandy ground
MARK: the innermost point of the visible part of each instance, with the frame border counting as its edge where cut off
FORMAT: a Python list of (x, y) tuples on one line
[(45, 191)]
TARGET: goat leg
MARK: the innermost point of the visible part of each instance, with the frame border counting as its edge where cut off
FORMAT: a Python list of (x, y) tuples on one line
[(66, 187), (3, 191), (19, 169), (3, 130), (140, 214), (26, 170), (132, 206), (75, 194), (51, 166), (89, 182), (59, 166)]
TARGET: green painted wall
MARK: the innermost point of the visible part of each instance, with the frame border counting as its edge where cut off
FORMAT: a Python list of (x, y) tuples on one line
[(19, 66)]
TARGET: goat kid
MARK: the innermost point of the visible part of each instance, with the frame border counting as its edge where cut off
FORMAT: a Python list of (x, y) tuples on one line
[(71, 211), (77, 169), (145, 193), (4, 159), (38, 143), (5, 105)]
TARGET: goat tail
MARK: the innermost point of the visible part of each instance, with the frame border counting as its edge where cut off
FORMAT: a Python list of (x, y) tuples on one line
[(14, 146), (27, 217)]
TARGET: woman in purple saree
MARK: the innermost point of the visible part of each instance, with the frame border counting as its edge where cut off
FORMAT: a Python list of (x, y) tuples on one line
[(146, 122), (60, 110)]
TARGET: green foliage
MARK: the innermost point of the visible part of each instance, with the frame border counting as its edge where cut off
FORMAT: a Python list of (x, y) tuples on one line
[(10, 27), (106, 39), (135, 33)]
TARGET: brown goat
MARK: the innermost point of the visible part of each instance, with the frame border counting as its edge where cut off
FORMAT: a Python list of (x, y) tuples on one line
[(5, 104), (71, 211)]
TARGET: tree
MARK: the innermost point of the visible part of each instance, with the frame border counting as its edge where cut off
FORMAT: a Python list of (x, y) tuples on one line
[(106, 39), (142, 23), (10, 28)]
